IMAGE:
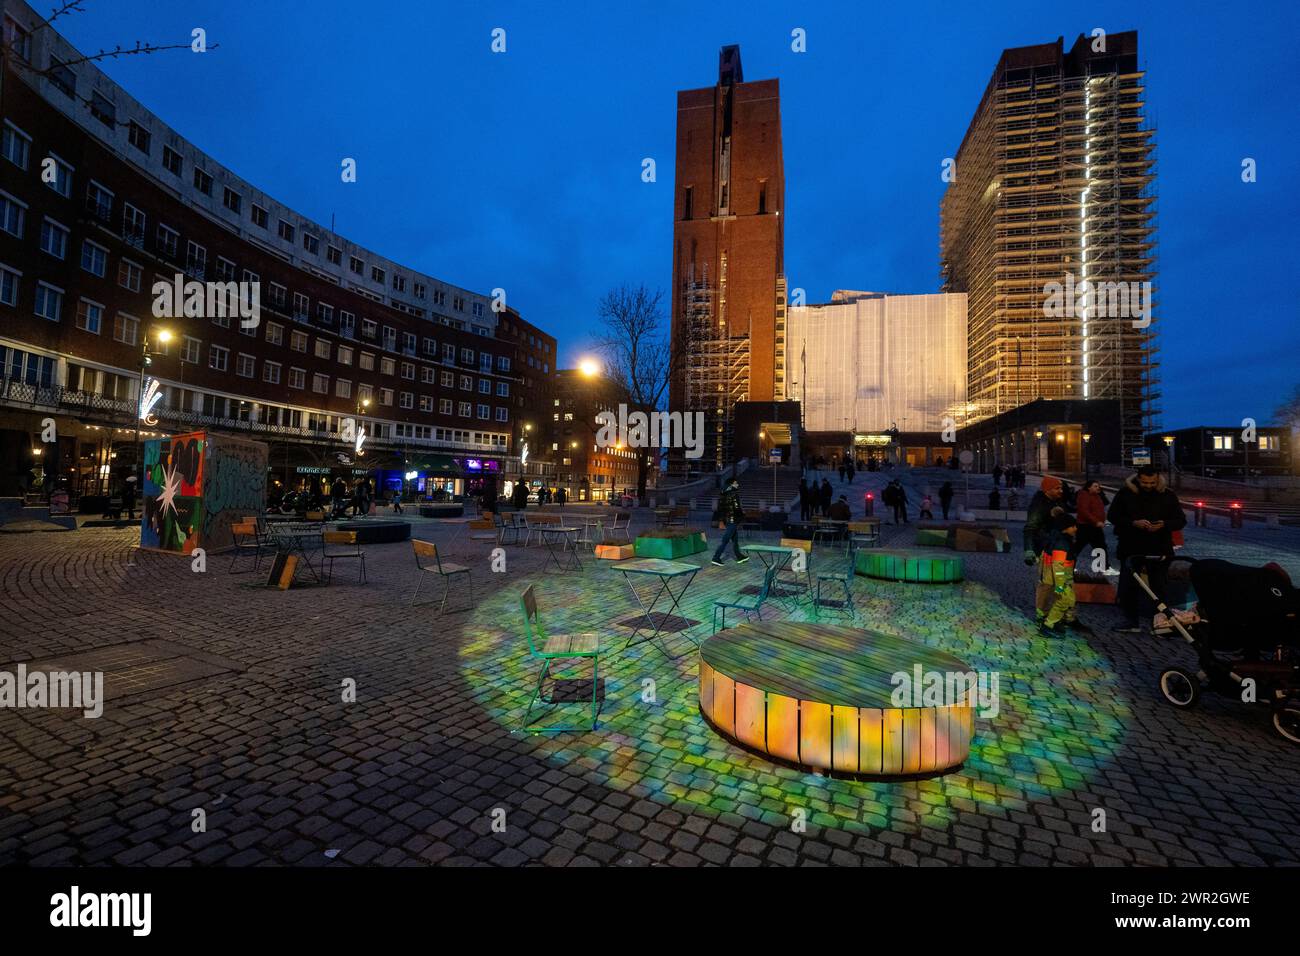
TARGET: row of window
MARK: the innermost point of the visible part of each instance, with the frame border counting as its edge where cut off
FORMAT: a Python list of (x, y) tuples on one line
[(17, 149)]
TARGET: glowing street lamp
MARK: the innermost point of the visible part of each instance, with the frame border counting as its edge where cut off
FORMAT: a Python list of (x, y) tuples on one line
[(589, 368)]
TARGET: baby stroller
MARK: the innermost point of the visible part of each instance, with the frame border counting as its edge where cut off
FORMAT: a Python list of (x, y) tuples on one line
[(1249, 631)]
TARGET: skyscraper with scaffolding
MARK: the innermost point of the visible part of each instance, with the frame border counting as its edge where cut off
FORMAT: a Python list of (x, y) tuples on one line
[(728, 291), (1049, 228)]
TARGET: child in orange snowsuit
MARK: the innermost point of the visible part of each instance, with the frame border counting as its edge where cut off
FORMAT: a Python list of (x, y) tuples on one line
[(1058, 573)]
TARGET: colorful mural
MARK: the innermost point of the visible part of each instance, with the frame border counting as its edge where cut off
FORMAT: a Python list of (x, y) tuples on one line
[(195, 486)]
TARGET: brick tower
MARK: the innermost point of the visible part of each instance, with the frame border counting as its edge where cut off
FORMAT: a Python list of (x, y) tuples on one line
[(728, 291)]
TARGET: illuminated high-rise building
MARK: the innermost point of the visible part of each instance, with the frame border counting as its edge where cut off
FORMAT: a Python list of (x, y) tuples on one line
[(1054, 187)]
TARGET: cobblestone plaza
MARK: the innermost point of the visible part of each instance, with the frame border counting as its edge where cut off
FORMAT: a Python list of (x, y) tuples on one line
[(230, 700)]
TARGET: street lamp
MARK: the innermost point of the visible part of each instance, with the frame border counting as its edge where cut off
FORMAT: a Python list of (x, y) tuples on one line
[(1087, 437), (589, 368), (1169, 453), (146, 359)]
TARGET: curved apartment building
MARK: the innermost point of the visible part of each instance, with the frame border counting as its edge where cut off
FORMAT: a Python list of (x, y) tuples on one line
[(100, 201)]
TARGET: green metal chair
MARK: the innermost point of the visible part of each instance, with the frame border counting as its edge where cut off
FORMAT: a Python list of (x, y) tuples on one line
[(553, 647), (751, 604), (843, 576)]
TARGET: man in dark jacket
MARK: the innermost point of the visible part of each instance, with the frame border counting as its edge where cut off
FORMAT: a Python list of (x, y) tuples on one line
[(805, 501), (1145, 515), (825, 493), (730, 511), (1045, 510)]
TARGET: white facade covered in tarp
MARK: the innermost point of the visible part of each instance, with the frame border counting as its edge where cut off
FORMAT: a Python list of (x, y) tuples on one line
[(867, 361)]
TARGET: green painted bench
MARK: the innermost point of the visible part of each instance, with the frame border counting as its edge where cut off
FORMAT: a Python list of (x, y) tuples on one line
[(918, 566)]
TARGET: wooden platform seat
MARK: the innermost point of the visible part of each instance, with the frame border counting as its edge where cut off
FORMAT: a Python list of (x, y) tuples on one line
[(917, 566), (821, 696), (615, 552)]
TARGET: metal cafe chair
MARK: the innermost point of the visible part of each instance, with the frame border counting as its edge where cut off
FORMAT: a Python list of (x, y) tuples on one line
[(433, 564), (345, 547), (553, 647), (746, 604)]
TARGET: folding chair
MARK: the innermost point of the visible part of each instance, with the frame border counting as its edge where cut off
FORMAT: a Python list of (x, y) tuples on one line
[(843, 577), (346, 547), (748, 605), (620, 525), (434, 564), (553, 647), (247, 533)]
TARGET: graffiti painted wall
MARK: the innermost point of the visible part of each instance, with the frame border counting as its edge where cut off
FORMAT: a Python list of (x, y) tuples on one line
[(234, 486), (195, 486)]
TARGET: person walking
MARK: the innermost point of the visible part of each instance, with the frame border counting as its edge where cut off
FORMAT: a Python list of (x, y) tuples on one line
[(900, 501), (561, 496), (1045, 508), (927, 504), (997, 475), (1145, 514), (128, 497), (849, 470), (805, 501), (1091, 510), (397, 501), (824, 495), (945, 497), (730, 512), (995, 499), (358, 498), (841, 471)]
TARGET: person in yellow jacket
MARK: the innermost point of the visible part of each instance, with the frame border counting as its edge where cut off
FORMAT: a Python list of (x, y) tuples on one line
[(1057, 572)]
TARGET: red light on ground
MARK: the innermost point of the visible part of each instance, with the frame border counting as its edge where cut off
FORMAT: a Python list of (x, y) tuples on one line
[(870, 496), (1236, 504), (1200, 504)]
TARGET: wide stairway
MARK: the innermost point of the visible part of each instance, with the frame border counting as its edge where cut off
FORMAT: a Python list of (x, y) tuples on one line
[(756, 486)]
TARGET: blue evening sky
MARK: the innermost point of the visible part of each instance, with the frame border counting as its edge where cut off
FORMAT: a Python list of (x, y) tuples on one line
[(523, 170)]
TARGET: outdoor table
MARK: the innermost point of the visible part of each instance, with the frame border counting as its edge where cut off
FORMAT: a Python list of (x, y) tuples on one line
[(567, 538), (666, 572), (773, 555), (290, 537)]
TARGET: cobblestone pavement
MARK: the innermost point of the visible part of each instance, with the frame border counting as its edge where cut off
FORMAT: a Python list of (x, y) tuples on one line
[(412, 772)]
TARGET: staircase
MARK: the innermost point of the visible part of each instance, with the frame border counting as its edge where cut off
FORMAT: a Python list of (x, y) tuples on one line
[(756, 487)]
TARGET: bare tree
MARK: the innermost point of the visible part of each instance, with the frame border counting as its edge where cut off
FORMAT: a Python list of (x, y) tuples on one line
[(54, 69), (1288, 413), (638, 354)]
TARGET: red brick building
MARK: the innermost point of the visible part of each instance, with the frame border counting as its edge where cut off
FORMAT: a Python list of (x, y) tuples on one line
[(728, 291), (100, 200), (586, 470)]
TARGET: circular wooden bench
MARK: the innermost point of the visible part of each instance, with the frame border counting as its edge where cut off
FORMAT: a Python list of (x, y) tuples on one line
[(823, 696), (931, 567)]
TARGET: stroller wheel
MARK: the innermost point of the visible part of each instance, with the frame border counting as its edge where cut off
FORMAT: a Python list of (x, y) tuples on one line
[(1287, 721), (1179, 687)]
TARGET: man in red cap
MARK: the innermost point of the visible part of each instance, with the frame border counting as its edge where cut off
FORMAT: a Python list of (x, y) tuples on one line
[(1045, 507)]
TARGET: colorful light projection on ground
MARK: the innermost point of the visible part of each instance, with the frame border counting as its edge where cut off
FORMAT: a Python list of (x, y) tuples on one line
[(1061, 715)]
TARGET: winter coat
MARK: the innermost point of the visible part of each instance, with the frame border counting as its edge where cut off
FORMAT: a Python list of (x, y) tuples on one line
[(1038, 521), (1132, 504), (729, 508), (1091, 509)]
